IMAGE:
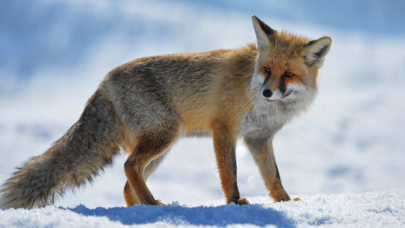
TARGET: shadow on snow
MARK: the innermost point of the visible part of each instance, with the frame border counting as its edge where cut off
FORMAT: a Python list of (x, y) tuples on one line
[(223, 215)]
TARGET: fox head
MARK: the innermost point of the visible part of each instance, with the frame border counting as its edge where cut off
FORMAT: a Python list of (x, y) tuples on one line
[(287, 66)]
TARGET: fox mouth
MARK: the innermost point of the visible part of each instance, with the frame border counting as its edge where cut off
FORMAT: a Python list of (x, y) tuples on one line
[(284, 96)]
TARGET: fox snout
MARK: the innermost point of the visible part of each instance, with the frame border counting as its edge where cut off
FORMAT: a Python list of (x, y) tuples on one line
[(266, 93), (270, 95), (273, 90)]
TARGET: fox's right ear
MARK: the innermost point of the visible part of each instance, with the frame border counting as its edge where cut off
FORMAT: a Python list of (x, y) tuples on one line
[(263, 33)]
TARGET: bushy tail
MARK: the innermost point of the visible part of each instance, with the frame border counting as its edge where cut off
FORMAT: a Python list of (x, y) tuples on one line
[(86, 148)]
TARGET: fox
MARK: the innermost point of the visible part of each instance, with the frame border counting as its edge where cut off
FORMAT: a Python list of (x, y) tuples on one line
[(144, 106)]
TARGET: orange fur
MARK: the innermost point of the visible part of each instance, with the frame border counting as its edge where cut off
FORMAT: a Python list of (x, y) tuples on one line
[(129, 196)]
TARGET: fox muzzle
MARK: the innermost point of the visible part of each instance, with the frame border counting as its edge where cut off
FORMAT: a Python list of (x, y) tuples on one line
[(271, 96), (267, 93)]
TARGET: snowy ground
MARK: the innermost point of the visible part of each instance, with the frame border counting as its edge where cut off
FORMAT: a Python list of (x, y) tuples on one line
[(371, 209), (351, 140)]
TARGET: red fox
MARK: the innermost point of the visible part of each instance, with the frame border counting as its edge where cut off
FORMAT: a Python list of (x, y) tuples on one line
[(144, 106)]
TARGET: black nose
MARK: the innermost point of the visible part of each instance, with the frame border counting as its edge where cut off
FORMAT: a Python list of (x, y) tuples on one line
[(267, 93)]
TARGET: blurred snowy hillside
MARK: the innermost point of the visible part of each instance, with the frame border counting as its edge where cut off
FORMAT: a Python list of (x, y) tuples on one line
[(53, 54), (39, 36)]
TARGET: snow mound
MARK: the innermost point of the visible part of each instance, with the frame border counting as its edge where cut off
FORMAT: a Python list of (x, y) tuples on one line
[(374, 209)]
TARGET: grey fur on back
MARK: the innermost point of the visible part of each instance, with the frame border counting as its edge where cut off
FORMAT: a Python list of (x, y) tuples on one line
[(76, 158)]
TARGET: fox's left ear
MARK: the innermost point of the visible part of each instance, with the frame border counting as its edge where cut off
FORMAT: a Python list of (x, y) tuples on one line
[(316, 50)]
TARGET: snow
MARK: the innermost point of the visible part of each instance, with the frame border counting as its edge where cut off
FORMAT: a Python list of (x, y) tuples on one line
[(376, 209), (349, 146)]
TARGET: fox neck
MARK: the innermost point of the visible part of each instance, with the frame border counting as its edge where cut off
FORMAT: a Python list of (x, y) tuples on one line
[(268, 117)]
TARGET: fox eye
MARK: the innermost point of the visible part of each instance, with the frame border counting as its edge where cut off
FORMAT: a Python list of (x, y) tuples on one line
[(289, 74), (267, 70)]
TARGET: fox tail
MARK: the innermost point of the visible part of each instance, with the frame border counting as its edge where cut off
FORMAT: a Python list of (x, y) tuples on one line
[(88, 146)]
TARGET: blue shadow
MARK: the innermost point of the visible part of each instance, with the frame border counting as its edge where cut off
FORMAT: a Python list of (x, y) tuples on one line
[(221, 216)]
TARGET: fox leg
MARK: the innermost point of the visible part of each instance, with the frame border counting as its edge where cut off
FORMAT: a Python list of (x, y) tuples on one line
[(153, 165), (224, 145), (129, 194), (149, 147), (262, 152)]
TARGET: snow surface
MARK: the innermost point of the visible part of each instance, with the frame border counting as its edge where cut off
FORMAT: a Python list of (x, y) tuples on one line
[(371, 209), (350, 140)]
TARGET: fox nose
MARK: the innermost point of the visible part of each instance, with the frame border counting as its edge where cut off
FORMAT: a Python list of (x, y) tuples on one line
[(267, 93)]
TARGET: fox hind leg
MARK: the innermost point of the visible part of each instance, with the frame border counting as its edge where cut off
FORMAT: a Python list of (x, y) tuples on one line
[(154, 164), (149, 147), (129, 194)]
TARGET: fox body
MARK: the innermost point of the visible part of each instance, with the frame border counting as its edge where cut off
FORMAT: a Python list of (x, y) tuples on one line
[(144, 106)]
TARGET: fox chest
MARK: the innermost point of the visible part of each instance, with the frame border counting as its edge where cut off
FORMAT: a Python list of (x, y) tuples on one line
[(264, 122)]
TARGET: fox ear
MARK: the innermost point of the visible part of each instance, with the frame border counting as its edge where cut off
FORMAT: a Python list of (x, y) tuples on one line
[(263, 33), (316, 51)]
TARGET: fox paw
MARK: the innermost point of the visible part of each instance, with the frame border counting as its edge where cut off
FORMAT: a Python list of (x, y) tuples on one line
[(297, 199), (283, 199), (242, 201), (159, 203)]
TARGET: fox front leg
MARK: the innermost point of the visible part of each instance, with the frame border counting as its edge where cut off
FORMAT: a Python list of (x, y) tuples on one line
[(224, 145), (262, 152)]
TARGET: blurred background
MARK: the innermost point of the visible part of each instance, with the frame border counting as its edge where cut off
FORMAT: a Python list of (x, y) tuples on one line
[(53, 55)]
